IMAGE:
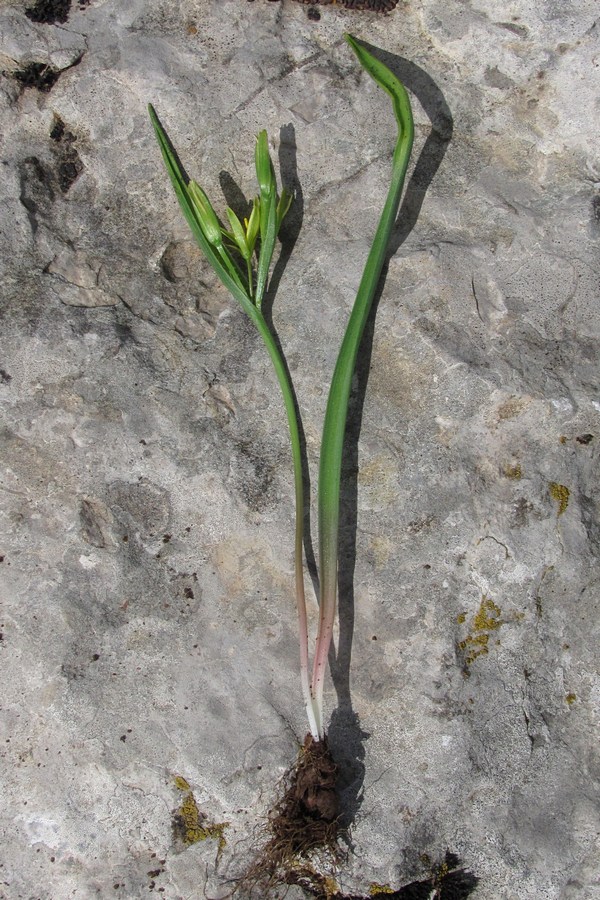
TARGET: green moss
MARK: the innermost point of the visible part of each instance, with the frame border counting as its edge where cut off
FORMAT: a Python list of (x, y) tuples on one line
[(515, 472), (561, 494), (571, 698)]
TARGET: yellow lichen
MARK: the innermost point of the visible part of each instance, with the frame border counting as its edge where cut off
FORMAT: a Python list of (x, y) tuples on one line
[(571, 698), (474, 645), (486, 619), (190, 825), (180, 783), (332, 888), (561, 494), (461, 618), (377, 890), (515, 472), (442, 872)]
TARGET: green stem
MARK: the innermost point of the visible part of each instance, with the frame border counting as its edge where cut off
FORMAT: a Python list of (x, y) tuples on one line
[(290, 408), (227, 272)]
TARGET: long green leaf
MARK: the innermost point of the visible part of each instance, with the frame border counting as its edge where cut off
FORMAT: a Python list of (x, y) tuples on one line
[(339, 393)]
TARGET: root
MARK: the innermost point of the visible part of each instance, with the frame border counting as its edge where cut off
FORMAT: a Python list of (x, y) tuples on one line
[(303, 821)]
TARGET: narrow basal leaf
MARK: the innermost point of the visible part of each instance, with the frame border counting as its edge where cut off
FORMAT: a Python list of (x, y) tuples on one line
[(339, 393)]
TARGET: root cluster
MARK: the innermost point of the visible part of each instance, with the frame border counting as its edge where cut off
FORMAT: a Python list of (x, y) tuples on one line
[(304, 820)]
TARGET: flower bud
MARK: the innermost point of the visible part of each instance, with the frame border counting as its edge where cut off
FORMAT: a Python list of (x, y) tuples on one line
[(239, 235), (264, 167), (253, 223), (206, 214)]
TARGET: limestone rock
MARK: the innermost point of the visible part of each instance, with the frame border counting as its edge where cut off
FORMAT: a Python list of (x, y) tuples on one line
[(148, 623)]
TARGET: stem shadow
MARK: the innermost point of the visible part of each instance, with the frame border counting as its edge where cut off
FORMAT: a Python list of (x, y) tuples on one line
[(346, 737)]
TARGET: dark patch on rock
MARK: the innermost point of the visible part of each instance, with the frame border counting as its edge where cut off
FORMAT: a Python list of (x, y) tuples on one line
[(40, 75), (589, 517), (37, 75), (69, 171), (58, 129), (69, 166), (37, 188), (378, 6), (47, 12), (40, 181), (141, 507), (235, 360), (253, 475), (520, 512), (97, 523)]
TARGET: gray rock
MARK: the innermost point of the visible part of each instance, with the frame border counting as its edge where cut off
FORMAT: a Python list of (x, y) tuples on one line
[(148, 623)]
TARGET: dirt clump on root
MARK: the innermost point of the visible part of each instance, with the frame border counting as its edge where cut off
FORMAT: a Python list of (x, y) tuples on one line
[(304, 820)]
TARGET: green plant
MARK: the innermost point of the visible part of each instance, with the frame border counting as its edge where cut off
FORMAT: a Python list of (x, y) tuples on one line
[(253, 242)]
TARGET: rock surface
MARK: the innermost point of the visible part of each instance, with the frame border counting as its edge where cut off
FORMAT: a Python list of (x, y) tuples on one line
[(148, 646)]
